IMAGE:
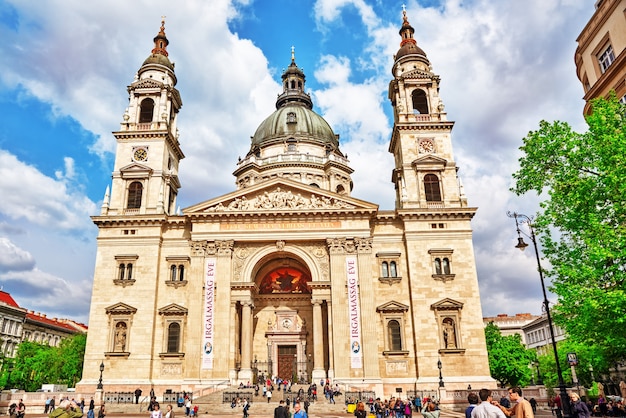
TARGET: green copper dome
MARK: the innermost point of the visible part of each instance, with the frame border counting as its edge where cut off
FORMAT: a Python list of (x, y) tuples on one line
[(295, 121)]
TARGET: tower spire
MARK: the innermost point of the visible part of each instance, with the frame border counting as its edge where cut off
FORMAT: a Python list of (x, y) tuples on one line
[(160, 41)]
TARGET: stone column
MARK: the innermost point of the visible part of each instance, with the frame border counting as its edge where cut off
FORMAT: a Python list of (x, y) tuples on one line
[(318, 341), (246, 341), (368, 308), (331, 355)]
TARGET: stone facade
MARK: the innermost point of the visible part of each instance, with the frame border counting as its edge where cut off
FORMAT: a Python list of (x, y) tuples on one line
[(288, 275), (601, 53)]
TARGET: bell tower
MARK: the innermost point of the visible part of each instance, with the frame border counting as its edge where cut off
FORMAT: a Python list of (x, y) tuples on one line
[(145, 174), (425, 174)]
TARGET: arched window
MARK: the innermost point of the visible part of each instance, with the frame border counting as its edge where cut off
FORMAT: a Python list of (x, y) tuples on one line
[(437, 265), (431, 188), (293, 84), (129, 271), (393, 271), (122, 271), (420, 102), (395, 338), (385, 268), (181, 273), (135, 190), (173, 337), (146, 111), (173, 273), (446, 266)]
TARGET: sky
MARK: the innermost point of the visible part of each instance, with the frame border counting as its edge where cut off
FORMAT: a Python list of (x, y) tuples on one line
[(504, 66)]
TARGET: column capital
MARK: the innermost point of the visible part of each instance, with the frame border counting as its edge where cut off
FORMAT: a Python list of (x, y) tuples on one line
[(363, 245), (317, 302), (204, 248)]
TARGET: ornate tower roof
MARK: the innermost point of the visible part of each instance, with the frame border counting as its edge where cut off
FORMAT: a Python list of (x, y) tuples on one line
[(159, 55), (408, 45)]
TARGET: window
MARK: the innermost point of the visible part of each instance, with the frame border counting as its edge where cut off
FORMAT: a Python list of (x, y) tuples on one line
[(389, 267), (135, 190), (420, 102), (173, 337), (431, 188), (178, 266), (606, 58), (147, 110), (173, 324), (125, 264), (393, 315), (395, 337), (442, 263)]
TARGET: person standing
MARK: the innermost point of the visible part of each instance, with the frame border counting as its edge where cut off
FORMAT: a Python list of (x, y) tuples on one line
[(522, 408), (21, 409), (430, 410), (360, 411), (297, 412), (246, 407), (485, 409), (156, 411), (170, 411), (92, 407), (52, 403), (579, 409), (137, 395), (472, 398), (533, 404), (269, 396), (280, 411)]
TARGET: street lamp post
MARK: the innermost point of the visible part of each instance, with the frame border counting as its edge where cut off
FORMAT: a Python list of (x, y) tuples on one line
[(521, 218), (99, 387), (440, 377)]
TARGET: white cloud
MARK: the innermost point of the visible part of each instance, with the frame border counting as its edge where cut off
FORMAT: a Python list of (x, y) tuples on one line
[(13, 258), (27, 193)]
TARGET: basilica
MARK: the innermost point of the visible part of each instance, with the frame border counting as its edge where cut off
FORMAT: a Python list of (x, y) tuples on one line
[(289, 274)]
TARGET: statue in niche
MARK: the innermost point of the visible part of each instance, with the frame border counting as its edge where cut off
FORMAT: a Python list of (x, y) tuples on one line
[(449, 334), (120, 337)]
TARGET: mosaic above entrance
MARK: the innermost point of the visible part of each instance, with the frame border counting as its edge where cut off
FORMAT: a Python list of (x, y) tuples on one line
[(285, 280)]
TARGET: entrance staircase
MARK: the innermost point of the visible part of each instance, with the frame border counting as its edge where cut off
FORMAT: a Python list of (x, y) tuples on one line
[(213, 404)]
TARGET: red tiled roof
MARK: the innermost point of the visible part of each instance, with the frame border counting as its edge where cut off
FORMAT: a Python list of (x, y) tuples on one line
[(54, 322), (7, 299)]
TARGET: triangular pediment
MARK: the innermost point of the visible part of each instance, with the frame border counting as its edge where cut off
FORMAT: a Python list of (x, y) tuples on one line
[(173, 310), (120, 308), (282, 195), (447, 304), (418, 74), (135, 170), (147, 83), (430, 162), (392, 306)]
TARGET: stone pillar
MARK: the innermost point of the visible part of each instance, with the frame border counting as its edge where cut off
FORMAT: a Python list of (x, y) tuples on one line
[(233, 342), (246, 341), (318, 341), (331, 356), (368, 308)]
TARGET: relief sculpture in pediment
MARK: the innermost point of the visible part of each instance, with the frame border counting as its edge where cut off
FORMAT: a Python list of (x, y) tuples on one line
[(280, 199)]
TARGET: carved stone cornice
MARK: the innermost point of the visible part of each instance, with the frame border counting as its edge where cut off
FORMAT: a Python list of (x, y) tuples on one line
[(349, 245)]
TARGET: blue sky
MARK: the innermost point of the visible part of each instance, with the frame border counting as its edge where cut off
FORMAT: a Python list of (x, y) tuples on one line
[(504, 66)]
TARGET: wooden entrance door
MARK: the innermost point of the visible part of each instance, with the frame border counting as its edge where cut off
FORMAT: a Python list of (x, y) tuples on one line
[(287, 358)]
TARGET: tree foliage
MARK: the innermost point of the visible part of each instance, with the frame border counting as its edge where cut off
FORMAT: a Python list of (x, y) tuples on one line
[(584, 176), (508, 358), (587, 356), (36, 364)]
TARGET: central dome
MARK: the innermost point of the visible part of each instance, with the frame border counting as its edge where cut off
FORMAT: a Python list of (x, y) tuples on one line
[(297, 121)]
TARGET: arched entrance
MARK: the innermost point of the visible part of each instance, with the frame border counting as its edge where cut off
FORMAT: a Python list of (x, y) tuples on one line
[(281, 340)]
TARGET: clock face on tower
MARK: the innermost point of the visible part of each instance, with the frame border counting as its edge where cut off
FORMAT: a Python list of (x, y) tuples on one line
[(426, 146), (140, 154)]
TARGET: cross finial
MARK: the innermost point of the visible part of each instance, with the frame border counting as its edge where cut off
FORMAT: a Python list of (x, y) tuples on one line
[(293, 54), (404, 7)]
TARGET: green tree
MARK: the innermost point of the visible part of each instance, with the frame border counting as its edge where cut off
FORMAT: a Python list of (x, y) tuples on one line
[(584, 176), (508, 358), (587, 355), (36, 364)]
